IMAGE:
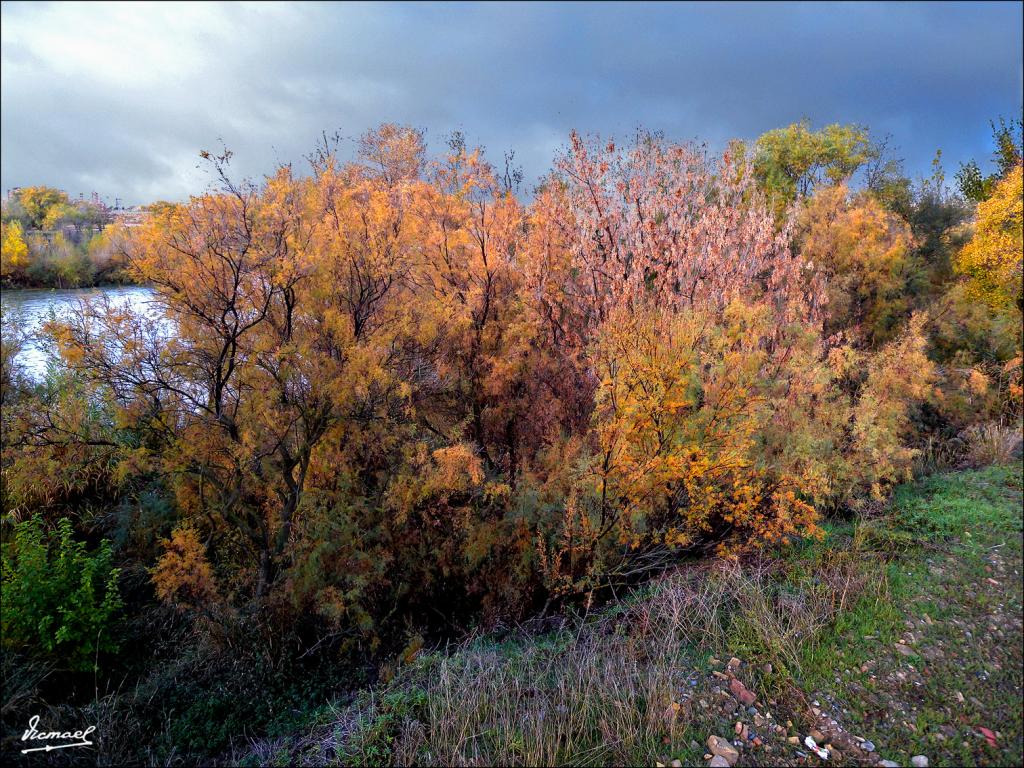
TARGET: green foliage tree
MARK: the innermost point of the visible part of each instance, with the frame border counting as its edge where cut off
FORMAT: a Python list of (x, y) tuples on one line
[(1008, 138), (938, 218), (790, 162)]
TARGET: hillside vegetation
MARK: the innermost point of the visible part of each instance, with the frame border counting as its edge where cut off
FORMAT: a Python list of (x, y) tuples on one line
[(901, 631), (382, 405)]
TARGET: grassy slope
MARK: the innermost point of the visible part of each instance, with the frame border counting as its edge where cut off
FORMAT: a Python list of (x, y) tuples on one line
[(954, 602), (904, 629)]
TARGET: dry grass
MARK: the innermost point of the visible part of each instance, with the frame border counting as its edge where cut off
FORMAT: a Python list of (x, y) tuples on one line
[(939, 455), (988, 444), (982, 445), (775, 618), (609, 692)]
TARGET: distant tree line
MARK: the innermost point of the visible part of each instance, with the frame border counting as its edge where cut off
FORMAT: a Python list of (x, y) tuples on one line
[(48, 239)]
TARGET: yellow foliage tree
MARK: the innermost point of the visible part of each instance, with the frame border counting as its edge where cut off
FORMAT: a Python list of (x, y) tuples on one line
[(14, 250), (898, 376), (863, 253), (992, 260), (38, 202)]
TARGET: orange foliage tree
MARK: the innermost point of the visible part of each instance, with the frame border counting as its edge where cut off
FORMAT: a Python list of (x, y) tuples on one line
[(863, 254), (390, 384)]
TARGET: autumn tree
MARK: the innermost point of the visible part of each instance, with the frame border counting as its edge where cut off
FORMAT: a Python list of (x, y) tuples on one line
[(225, 269), (388, 389), (664, 269), (394, 152), (13, 250), (991, 261), (473, 229), (37, 203), (863, 254)]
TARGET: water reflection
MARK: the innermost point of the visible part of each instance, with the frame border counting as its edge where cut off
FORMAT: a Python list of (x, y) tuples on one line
[(31, 308)]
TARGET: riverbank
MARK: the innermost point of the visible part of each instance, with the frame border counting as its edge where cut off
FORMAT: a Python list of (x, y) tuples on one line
[(31, 286), (896, 638)]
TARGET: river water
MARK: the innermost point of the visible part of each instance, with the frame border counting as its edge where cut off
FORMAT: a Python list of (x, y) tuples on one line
[(31, 308)]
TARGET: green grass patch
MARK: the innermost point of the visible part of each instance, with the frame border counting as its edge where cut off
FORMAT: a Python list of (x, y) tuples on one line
[(953, 597)]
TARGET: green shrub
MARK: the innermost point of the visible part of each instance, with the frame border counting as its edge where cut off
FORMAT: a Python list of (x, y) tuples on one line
[(58, 598)]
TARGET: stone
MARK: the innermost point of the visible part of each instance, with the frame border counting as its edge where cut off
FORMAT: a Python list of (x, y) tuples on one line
[(676, 764), (738, 728), (734, 663), (888, 764), (721, 747), (817, 735), (793, 739), (744, 696), (867, 746), (717, 761), (919, 761), (841, 739), (905, 650)]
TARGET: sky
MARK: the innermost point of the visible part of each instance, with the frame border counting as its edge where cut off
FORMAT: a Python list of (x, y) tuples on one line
[(121, 98)]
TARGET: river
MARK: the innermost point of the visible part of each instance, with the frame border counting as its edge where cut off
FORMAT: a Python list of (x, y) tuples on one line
[(31, 308)]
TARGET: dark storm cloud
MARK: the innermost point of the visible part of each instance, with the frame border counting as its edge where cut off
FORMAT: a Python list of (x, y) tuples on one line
[(121, 98)]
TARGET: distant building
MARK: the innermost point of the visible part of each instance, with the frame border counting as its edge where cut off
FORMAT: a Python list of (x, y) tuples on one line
[(131, 216)]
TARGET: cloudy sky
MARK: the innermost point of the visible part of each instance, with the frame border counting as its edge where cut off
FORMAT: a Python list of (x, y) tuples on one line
[(120, 98)]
